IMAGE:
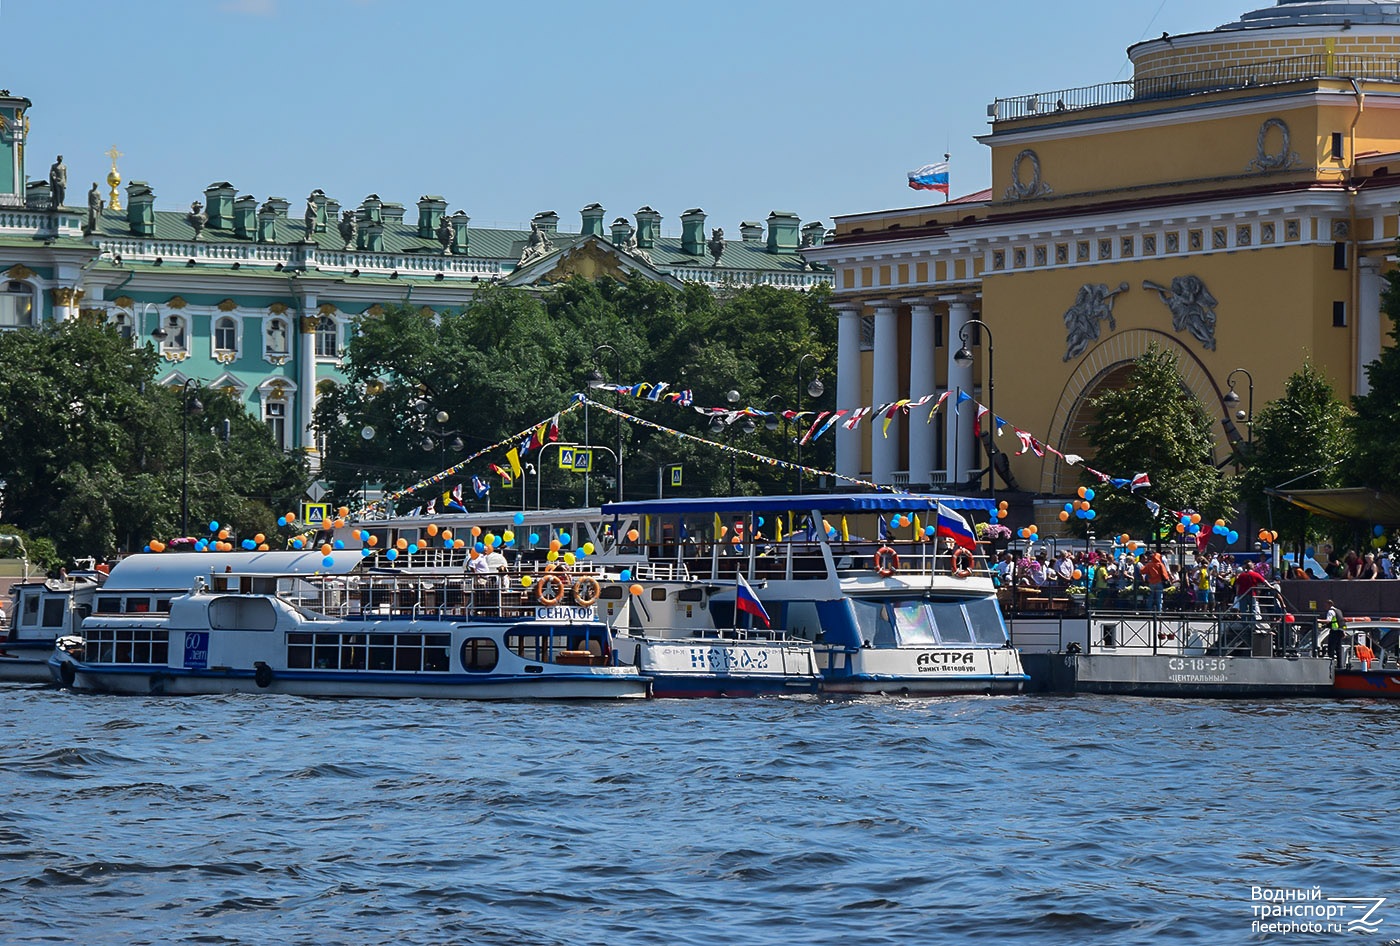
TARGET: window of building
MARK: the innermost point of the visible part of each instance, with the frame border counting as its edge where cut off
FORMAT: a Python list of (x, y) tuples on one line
[(327, 338), (120, 319), (16, 304), (275, 416), (177, 336), (1339, 256), (1337, 152), (1339, 315), (276, 336), (225, 334)]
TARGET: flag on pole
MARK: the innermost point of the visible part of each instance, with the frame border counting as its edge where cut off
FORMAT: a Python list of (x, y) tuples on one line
[(930, 177), (955, 527), (745, 600)]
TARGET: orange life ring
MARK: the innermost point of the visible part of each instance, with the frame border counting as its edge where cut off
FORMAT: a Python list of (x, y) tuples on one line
[(586, 591), (886, 561), (962, 563), (549, 590)]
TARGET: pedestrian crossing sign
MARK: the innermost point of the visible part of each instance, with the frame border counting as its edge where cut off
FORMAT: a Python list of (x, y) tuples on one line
[(583, 461), (566, 458), (676, 471), (315, 513)]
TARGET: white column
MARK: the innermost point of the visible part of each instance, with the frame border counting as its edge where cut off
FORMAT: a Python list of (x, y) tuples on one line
[(922, 343), (959, 439), (884, 451), (306, 378), (847, 385), (1368, 319)]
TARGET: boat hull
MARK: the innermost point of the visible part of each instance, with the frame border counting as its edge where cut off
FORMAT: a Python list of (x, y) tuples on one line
[(1376, 684), (27, 662), (910, 671), (722, 668), (1181, 676)]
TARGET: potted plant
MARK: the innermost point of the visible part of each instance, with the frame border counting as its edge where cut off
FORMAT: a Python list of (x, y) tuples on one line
[(996, 535)]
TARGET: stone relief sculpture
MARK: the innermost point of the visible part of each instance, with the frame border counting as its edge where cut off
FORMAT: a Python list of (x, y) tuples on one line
[(197, 218), (717, 244), (1192, 307), (1092, 304), (95, 205), (349, 227), (444, 234), (1021, 189), (537, 246), (1281, 160), (58, 183)]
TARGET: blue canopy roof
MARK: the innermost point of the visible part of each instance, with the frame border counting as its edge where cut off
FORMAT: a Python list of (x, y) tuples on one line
[(824, 502)]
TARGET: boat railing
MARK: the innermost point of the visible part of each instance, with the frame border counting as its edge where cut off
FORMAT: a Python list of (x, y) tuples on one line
[(1216, 634), (420, 597), (807, 559)]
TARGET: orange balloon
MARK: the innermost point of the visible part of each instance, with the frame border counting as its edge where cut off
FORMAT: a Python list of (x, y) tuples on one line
[(1195, 518), (1077, 574), (1180, 527), (338, 524), (458, 543), (1064, 516), (446, 534), (632, 535), (432, 530), (1002, 514), (554, 544), (1082, 491), (291, 517), (260, 538), (372, 541), (223, 533), (326, 549), (343, 511), (635, 590), (401, 544), (476, 531), (262, 547)]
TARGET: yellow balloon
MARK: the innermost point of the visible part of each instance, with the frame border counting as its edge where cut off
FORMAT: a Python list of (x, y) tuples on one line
[(588, 548), (508, 536), (526, 581), (569, 558), (551, 555)]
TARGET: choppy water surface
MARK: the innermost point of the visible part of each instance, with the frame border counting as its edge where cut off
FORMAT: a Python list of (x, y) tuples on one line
[(1024, 820)]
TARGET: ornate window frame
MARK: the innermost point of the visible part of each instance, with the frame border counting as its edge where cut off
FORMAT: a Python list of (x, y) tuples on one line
[(8, 291), (222, 353), (277, 399)]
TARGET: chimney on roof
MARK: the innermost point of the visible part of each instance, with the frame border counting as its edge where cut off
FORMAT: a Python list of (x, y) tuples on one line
[(693, 232), (272, 210), (592, 220), (245, 217), (814, 234), (751, 231), (648, 228), (218, 204), (461, 239), (621, 231), (141, 208), (318, 199), (392, 212), (431, 210), (548, 221), (782, 231), (332, 212), (371, 210)]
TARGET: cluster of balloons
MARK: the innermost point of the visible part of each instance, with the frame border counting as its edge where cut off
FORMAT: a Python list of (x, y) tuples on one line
[(1002, 509), (1266, 536), (1221, 528), (1378, 537), (1029, 532), (1081, 508)]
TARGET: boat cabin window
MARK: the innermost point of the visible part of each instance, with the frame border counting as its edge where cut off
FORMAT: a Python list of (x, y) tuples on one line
[(951, 622), (873, 621), (241, 614), (29, 613), (53, 612), (479, 655), (914, 623), (139, 605), (658, 594), (612, 592), (547, 643), (413, 653), (109, 604), (984, 615), (127, 645)]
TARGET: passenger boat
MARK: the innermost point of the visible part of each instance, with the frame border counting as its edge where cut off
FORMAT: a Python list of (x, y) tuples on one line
[(658, 613), (1376, 676), (43, 611), (884, 614), (286, 622)]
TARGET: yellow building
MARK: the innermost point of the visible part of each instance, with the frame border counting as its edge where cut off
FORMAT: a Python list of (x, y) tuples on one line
[(1235, 202)]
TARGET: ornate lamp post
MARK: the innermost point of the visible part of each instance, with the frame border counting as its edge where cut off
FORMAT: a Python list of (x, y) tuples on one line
[(814, 389), (1233, 398), (438, 436), (964, 359), (187, 407)]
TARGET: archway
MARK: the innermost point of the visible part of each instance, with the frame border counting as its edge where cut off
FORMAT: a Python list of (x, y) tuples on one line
[(1105, 367)]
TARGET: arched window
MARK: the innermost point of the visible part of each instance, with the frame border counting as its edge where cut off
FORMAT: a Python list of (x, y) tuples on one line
[(16, 304), (177, 336), (327, 337), (277, 336), (275, 416), (225, 334), (121, 320)]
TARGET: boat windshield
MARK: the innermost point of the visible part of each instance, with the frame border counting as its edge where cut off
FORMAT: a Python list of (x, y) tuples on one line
[(921, 622)]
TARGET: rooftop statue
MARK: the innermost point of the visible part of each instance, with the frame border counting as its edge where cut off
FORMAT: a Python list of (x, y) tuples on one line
[(537, 246), (58, 182), (349, 227), (95, 204), (445, 234), (197, 217), (717, 244)]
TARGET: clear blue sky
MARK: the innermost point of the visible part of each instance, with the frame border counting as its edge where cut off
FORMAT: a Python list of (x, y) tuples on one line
[(508, 109)]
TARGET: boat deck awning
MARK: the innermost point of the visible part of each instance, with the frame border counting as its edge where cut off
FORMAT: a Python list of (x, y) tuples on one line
[(1354, 504), (826, 503)]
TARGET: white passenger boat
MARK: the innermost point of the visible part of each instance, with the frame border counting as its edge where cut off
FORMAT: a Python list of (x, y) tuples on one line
[(43, 611), (885, 615), (285, 622)]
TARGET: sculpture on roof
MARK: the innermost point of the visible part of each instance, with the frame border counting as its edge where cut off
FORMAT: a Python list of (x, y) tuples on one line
[(445, 234), (349, 228), (197, 218), (95, 206), (58, 182), (1092, 304), (309, 218), (1192, 307), (537, 246), (630, 247), (717, 244)]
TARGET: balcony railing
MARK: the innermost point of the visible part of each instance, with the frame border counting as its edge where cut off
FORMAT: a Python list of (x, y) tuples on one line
[(1243, 76)]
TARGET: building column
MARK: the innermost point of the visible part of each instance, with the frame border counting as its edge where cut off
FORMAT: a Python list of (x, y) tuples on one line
[(922, 343), (884, 451), (1368, 319), (306, 379), (847, 384), (961, 449), (65, 302)]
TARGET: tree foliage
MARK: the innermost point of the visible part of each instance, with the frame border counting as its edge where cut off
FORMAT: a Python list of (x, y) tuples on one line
[(1154, 425), (91, 450), (1300, 440), (514, 357)]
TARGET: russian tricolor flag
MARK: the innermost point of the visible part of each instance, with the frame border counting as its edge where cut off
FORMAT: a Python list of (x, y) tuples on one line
[(745, 600), (930, 177), (955, 527)]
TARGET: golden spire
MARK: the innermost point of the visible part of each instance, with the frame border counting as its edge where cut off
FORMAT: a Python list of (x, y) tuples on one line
[(114, 178)]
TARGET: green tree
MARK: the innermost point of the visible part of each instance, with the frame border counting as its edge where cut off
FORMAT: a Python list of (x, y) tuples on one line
[(1375, 424), (1154, 425), (1302, 440)]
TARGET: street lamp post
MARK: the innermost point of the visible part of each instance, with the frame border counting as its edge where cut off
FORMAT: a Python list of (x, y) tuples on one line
[(595, 380), (1232, 398), (187, 407), (964, 359), (814, 389), (719, 424), (438, 436), (772, 420)]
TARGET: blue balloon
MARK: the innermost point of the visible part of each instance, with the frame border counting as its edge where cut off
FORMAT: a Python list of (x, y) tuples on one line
[(928, 530), (447, 543), (1069, 507), (339, 543), (534, 538), (580, 554), (481, 546), (1193, 528), (214, 526), (519, 518), (298, 543), (366, 553), (565, 538), (146, 548), (760, 520), (510, 542), (249, 545), (1232, 537), (626, 574), (1089, 495), (1089, 514), (391, 554), (412, 547), (282, 521), (328, 561), (1378, 531)]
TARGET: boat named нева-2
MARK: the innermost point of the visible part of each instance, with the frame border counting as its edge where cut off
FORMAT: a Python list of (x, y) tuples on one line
[(286, 623)]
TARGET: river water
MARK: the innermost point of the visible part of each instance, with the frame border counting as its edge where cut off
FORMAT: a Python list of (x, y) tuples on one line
[(260, 820)]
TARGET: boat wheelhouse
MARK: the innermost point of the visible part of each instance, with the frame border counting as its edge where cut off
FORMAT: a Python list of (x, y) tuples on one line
[(43, 611)]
